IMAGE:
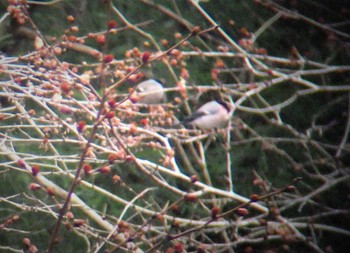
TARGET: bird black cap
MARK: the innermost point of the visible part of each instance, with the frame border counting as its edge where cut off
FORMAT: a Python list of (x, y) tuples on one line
[(224, 104)]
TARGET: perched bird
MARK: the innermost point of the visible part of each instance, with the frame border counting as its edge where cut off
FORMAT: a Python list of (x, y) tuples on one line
[(214, 114), (149, 92)]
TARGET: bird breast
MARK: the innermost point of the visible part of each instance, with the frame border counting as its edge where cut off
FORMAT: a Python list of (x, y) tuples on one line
[(210, 121)]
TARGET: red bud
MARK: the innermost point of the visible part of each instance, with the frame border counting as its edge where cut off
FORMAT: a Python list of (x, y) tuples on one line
[(81, 126), (290, 188), (87, 169), (254, 198), (144, 122), (50, 191), (35, 170), (242, 212), (194, 179), (65, 87), (145, 56), (70, 18), (21, 163), (111, 103), (34, 186), (110, 115), (108, 58), (69, 215), (116, 179), (26, 241), (112, 157), (78, 222), (111, 24), (101, 39), (105, 170), (65, 109), (190, 197), (178, 247), (214, 212), (195, 30)]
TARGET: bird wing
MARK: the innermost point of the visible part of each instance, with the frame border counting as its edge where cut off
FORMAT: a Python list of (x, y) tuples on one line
[(194, 116)]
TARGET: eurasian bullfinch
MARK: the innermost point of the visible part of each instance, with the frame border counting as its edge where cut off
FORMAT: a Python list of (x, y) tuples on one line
[(214, 114), (150, 92)]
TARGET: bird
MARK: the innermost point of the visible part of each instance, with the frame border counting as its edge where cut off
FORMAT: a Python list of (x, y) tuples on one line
[(214, 114), (149, 92)]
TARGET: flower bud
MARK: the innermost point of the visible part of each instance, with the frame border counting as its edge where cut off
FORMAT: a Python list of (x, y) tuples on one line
[(242, 212)]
